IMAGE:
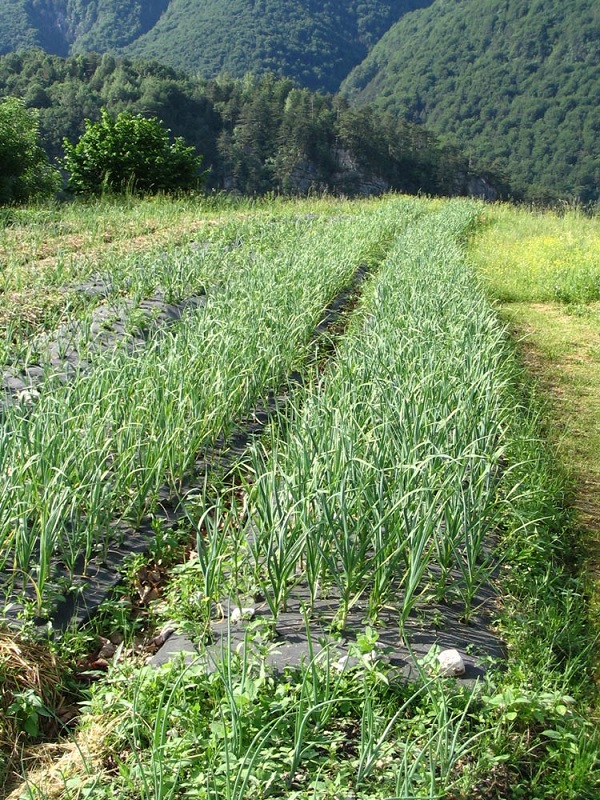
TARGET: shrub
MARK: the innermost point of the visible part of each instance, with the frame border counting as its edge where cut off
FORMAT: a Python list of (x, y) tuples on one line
[(130, 152), (25, 171)]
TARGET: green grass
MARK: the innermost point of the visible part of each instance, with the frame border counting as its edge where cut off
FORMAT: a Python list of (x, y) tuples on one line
[(562, 349), (544, 272), (534, 256)]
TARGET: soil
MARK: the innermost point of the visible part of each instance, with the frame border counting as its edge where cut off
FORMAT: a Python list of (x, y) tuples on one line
[(290, 643)]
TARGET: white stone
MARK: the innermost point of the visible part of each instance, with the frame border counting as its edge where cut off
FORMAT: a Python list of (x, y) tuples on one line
[(344, 663), (340, 664), (28, 396), (451, 663), (378, 654), (238, 614)]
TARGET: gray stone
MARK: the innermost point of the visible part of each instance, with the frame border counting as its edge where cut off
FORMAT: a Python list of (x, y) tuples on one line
[(172, 649), (14, 384)]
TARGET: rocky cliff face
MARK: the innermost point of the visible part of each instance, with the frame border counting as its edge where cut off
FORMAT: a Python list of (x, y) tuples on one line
[(352, 179)]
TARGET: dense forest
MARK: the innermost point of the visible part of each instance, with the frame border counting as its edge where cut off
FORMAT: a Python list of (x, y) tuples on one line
[(59, 26), (314, 43), (514, 84), (257, 134)]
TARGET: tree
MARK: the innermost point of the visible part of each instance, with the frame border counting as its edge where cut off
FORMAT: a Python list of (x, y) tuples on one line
[(25, 171), (129, 152)]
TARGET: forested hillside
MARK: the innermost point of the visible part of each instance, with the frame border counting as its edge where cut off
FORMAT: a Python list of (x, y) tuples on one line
[(315, 43), (515, 84), (257, 134), (62, 26)]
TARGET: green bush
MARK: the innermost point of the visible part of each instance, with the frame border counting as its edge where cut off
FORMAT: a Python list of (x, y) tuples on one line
[(25, 171), (130, 152)]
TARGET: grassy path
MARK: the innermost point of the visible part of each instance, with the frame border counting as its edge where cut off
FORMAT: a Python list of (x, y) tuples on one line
[(545, 272), (562, 351)]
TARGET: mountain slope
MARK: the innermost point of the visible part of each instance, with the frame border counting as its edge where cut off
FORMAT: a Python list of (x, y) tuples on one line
[(515, 83), (64, 26), (315, 43), (16, 29)]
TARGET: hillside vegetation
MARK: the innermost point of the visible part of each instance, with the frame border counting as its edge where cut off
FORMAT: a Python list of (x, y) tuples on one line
[(59, 26), (256, 134), (317, 44), (517, 85), (514, 86)]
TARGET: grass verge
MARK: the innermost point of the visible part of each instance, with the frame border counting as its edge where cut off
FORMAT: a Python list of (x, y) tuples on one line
[(543, 270)]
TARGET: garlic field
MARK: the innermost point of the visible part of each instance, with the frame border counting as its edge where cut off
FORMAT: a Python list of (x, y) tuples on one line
[(396, 494)]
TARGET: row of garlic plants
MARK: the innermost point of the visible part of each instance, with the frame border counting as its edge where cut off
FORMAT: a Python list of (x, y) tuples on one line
[(178, 271), (97, 451), (385, 483)]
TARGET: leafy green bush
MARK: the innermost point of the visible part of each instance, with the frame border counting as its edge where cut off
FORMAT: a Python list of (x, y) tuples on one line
[(129, 152), (25, 171)]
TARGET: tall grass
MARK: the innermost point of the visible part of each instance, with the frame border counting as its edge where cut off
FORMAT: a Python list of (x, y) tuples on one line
[(539, 257)]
